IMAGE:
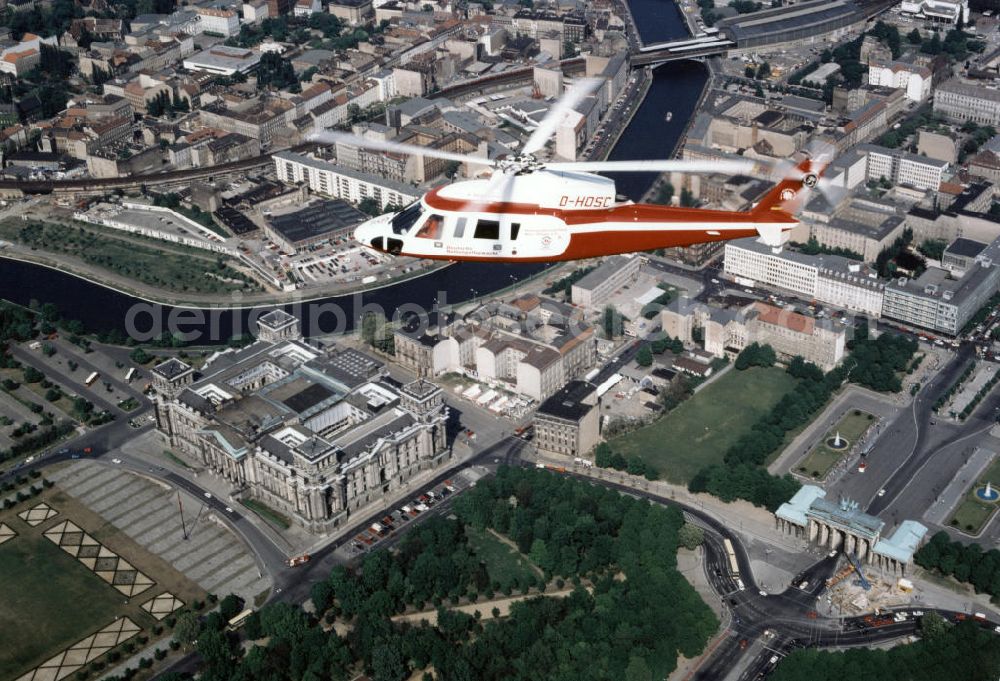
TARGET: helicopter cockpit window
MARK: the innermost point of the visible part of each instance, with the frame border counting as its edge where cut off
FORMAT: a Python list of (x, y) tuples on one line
[(402, 223), (433, 227), (487, 229)]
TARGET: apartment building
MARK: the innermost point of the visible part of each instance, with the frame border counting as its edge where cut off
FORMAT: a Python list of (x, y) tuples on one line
[(333, 180)]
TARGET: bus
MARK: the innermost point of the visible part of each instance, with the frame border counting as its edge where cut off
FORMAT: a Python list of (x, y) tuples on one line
[(92, 378), (734, 567), (129, 374), (238, 620)]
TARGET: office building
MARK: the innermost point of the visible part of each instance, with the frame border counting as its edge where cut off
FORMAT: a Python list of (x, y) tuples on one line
[(339, 182), (961, 101), (826, 278), (597, 286), (314, 432), (941, 299), (568, 422)]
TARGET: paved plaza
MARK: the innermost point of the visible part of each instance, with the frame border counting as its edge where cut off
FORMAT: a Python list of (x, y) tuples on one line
[(147, 511), (82, 652), (38, 514), (6, 533)]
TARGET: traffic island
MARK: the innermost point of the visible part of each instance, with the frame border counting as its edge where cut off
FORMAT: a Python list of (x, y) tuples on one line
[(838, 442), (980, 503)]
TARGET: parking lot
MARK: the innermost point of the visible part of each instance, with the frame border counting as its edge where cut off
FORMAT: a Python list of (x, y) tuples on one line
[(422, 503)]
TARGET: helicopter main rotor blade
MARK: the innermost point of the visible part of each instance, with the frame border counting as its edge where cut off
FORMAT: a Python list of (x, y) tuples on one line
[(332, 137), (734, 167), (580, 90), (499, 189)]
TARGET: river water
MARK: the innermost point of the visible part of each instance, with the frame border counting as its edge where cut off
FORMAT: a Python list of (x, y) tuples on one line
[(676, 88)]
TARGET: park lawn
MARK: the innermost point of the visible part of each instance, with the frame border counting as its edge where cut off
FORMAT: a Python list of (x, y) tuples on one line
[(504, 562), (822, 458), (698, 432), (48, 601), (973, 514)]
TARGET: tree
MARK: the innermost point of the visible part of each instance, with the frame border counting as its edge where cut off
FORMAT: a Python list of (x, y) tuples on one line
[(687, 198), (230, 606), (187, 628), (913, 37), (638, 670), (690, 536), (644, 357), (612, 322)]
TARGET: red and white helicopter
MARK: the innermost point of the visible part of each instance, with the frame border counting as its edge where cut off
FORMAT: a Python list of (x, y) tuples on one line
[(530, 210)]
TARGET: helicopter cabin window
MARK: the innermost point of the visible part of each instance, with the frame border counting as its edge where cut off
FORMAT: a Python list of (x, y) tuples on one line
[(408, 217), (487, 229), (460, 227), (515, 227), (433, 227)]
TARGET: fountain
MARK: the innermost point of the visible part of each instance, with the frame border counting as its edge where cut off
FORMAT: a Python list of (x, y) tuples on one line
[(987, 493), (837, 442)]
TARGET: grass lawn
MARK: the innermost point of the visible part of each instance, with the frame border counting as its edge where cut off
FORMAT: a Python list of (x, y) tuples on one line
[(503, 562), (701, 429), (48, 601), (267, 513), (973, 514), (822, 458)]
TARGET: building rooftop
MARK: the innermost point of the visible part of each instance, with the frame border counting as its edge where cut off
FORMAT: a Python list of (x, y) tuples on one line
[(571, 402), (603, 272), (172, 368), (903, 543), (966, 248), (794, 510), (317, 220)]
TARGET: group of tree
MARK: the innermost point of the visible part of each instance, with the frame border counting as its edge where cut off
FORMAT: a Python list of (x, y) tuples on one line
[(565, 284), (964, 651), (898, 256), (377, 332), (165, 105), (605, 457), (933, 248), (276, 72), (878, 363), (814, 247), (978, 135), (965, 562), (629, 612), (755, 355), (957, 44)]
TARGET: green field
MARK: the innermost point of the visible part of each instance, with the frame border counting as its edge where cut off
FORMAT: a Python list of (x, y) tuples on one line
[(822, 458), (48, 601), (161, 264), (503, 562), (972, 514), (698, 432)]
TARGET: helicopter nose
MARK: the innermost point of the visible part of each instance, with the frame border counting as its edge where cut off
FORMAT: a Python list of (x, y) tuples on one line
[(369, 234)]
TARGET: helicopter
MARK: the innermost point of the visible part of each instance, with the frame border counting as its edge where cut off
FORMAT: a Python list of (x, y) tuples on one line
[(534, 210)]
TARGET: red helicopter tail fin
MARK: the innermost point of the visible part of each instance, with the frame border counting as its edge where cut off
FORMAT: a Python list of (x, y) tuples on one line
[(789, 195)]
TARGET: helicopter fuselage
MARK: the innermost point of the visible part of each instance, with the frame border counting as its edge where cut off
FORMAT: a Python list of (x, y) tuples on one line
[(548, 217)]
